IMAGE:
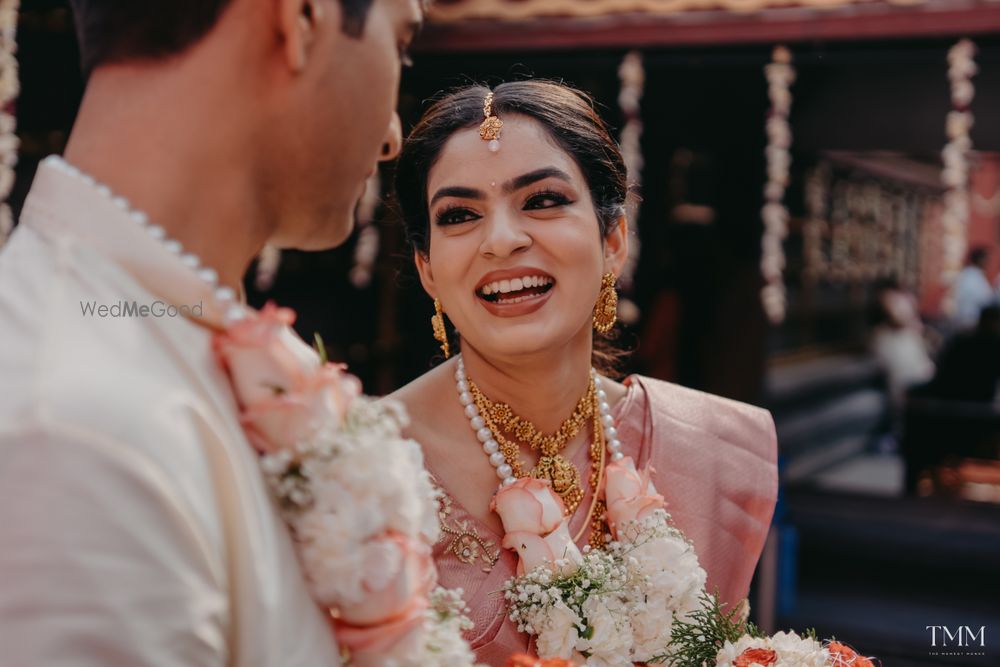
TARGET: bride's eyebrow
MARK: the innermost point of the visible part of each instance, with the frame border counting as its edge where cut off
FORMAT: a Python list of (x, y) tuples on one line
[(533, 177), (510, 186), (457, 191)]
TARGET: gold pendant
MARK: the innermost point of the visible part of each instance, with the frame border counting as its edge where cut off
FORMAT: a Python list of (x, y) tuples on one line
[(565, 479)]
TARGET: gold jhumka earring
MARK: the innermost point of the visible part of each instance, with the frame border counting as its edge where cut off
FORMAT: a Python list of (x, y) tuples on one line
[(606, 308), (489, 129), (440, 333)]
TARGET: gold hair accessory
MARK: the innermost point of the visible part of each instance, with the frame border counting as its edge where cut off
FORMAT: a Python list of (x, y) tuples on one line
[(606, 308), (440, 333), (489, 130)]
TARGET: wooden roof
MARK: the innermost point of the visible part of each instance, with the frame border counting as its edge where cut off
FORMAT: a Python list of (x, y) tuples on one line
[(445, 11), (484, 25)]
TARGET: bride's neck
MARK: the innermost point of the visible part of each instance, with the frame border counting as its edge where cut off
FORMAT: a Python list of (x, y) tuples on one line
[(543, 389)]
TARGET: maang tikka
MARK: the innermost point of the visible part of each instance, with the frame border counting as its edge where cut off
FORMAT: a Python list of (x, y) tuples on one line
[(489, 130)]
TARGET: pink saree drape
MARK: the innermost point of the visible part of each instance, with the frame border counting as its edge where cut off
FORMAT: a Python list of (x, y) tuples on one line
[(715, 463)]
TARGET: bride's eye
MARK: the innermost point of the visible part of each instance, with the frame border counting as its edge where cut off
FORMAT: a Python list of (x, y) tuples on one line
[(455, 215), (543, 200)]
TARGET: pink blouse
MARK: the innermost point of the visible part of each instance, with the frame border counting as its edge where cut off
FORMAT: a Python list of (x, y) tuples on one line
[(715, 463)]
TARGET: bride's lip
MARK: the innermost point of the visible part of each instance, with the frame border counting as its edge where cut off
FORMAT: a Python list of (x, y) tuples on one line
[(527, 305)]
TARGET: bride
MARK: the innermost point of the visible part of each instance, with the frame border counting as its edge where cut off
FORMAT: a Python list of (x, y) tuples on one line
[(513, 201)]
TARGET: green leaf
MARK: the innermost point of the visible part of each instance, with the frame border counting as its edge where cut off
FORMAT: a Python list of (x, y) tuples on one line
[(320, 347)]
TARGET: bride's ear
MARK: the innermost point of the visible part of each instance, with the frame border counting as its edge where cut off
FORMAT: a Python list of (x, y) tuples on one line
[(298, 24), (424, 271), (616, 247)]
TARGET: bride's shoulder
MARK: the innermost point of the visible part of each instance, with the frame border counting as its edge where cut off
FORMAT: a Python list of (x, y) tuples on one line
[(673, 407), (433, 386)]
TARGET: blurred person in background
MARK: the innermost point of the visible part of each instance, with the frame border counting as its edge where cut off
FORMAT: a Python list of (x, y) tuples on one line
[(972, 291), (969, 366), (899, 345)]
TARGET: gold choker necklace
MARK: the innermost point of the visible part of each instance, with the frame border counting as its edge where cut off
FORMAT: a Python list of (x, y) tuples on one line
[(552, 465)]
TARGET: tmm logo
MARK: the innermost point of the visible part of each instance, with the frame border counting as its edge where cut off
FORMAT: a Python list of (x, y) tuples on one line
[(963, 636)]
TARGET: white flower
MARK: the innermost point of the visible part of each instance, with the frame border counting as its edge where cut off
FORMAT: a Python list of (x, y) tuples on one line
[(558, 632), (608, 627)]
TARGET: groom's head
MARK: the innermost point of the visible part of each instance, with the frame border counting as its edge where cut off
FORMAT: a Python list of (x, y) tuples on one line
[(316, 82)]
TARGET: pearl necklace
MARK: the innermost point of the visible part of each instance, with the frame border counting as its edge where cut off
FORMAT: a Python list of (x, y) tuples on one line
[(492, 448), (224, 296)]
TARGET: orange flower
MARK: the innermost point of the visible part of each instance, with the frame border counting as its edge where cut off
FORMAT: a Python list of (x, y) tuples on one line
[(842, 655), (756, 656), (525, 660)]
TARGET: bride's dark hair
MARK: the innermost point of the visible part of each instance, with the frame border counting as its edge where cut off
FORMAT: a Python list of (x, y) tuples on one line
[(569, 118), (567, 114)]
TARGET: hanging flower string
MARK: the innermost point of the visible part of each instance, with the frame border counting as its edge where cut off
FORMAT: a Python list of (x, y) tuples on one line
[(780, 74), (9, 89), (632, 78), (366, 250), (955, 174)]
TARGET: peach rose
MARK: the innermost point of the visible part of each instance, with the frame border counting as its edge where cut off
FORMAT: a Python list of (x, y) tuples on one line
[(630, 495), (842, 655), (534, 550), (394, 583), (264, 356), (377, 645), (320, 399), (756, 656), (529, 505)]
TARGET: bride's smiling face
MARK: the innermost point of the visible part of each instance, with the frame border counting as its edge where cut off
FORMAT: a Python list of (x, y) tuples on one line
[(515, 250)]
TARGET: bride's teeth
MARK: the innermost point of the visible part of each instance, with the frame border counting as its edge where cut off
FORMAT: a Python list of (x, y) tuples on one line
[(487, 290), (504, 286), (516, 285)]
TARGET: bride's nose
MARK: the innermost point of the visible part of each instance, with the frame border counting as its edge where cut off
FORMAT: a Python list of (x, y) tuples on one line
[(504, 236), (393, 139)]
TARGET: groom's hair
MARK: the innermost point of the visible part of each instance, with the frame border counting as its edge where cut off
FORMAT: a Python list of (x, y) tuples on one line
[(115, 31)]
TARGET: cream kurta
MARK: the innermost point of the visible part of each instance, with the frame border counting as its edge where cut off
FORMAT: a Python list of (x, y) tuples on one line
[(135, 526)]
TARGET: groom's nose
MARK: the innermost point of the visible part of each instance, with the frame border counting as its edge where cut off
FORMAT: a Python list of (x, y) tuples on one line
[(393, 139)]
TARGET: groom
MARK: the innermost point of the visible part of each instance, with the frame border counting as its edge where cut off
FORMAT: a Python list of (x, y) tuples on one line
[(135, 526)]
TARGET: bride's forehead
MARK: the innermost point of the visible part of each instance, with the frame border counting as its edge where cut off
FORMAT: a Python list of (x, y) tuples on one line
[(525, 146)]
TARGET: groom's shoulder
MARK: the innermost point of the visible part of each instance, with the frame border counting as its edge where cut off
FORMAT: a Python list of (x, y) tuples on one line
[(123, 378)]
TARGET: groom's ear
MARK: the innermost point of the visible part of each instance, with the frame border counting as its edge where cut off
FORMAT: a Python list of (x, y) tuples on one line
[(424, 271), (298, 24)]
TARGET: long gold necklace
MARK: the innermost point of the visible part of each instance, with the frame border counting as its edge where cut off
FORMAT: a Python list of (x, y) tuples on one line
[(506, 425)]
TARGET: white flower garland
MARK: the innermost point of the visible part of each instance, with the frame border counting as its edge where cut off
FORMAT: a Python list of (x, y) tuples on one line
[(632, 78), (955, 174), (780, 74), (9, 89), (344, 487)]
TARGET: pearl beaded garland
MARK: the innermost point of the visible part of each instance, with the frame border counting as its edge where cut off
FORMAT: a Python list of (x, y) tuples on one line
[(224, 296), (492, 449)]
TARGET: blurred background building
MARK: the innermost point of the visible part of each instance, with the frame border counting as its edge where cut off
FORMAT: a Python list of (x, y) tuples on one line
[(884, 398)]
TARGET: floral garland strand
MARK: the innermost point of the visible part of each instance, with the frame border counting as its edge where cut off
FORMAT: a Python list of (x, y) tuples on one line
[(640, 599), (632, 78), (366, 249), (9, 89), (780, 75), (361, 508), (955, 155)]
